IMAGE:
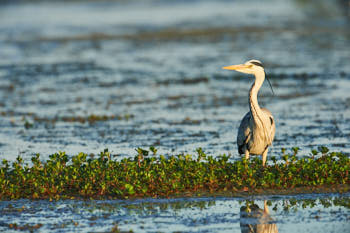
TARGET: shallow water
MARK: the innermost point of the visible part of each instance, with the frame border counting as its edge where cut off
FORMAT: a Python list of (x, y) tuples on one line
[(155, 69), (311, 213), (151, 71)]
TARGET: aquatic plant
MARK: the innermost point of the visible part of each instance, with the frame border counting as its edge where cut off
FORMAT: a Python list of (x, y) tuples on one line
[(147, 175), (91, 119)]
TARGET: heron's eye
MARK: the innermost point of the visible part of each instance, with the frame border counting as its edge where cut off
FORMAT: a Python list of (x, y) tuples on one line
[(256, 63)]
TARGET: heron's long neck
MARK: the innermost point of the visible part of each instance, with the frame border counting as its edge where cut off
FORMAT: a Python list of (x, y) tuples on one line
[(253, 99)]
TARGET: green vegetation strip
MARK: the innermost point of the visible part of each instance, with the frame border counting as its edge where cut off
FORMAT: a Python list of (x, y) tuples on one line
[(84, 176)]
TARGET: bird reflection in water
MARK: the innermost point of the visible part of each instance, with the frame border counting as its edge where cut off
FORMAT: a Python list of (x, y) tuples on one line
[(256, 220)]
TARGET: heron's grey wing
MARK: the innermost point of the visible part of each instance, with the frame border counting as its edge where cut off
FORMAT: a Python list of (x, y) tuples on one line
[(243, 133), (272, 126)]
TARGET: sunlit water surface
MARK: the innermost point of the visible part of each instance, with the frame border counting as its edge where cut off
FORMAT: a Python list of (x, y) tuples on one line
[(153, 68), (311, 213), (156, 67)]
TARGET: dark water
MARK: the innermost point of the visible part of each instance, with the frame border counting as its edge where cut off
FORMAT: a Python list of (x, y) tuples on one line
[(150, 73)]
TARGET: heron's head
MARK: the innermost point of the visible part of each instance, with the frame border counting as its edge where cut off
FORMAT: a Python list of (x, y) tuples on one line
[(250, 67)]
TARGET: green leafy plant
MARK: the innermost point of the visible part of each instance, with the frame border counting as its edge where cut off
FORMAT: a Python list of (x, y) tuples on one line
[(100, 176)]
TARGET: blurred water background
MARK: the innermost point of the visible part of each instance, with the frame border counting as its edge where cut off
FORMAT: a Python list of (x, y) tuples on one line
[(150, 73), (82, 76)]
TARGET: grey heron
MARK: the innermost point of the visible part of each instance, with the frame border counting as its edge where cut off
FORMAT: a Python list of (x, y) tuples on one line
[(257, 129)]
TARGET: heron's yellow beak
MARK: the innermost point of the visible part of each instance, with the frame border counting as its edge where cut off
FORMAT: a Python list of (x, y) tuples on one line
[(236, 67)]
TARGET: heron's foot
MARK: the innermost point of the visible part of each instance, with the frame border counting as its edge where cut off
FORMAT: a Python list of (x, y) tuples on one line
[(246, 155)]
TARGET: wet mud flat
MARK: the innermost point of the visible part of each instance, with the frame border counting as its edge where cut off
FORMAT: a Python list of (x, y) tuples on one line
[(309, 213)]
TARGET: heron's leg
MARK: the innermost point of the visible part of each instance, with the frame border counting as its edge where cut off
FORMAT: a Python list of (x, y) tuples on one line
[(246, 154), (264, 155)]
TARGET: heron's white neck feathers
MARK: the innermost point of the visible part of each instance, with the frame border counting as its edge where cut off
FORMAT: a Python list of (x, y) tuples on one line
[(259, 117), (253, 99)]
